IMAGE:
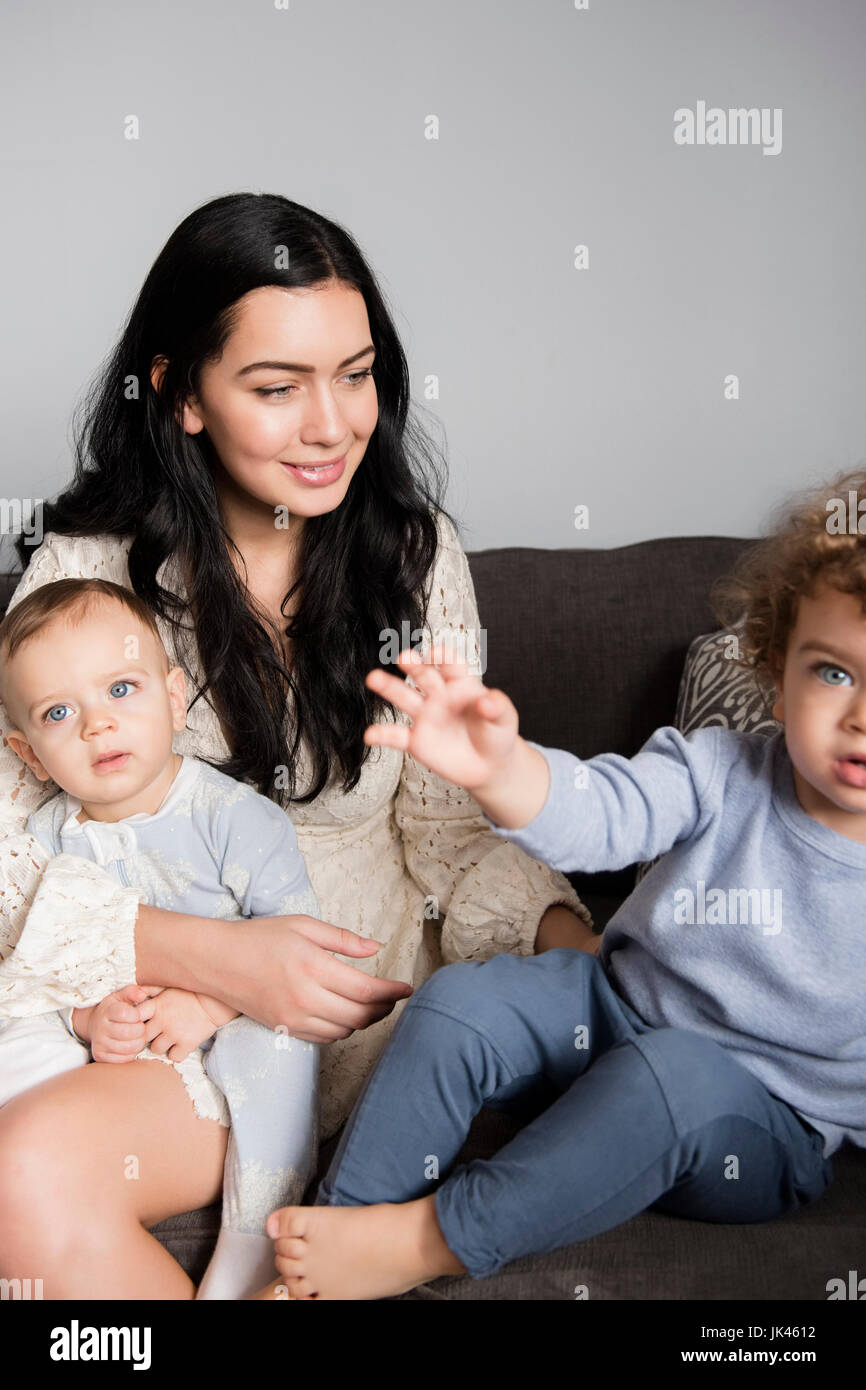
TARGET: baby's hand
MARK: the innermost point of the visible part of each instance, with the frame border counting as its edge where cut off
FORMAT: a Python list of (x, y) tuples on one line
[(178, 1024), (115, 1027), (460, 729)]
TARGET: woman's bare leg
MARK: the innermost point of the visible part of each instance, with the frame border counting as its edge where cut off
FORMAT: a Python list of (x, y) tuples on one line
[(87, 1161)]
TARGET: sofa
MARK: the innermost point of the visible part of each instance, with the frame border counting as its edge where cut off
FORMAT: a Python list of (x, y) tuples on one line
[(597, 648)]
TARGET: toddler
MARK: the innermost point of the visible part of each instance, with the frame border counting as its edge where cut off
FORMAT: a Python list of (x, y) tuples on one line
[(87, 681), (712, 1056)]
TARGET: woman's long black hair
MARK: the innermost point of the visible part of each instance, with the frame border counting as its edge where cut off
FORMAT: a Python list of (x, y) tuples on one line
[(363, 567)]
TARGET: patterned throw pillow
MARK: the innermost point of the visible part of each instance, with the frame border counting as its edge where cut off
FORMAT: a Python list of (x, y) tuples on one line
[(715, 690)]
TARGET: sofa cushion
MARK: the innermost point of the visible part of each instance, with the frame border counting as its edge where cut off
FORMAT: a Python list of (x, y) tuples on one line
[(659, 1256), (715, 691), (653, 1256)]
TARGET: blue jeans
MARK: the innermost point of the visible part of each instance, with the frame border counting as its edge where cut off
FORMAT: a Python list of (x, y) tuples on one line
[(621, 1116)]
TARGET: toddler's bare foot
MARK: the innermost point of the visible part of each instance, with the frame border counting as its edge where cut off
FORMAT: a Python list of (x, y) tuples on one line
[(360, 1252)]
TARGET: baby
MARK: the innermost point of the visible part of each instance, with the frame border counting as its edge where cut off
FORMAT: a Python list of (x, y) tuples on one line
[(87, 680), (712, 1056)]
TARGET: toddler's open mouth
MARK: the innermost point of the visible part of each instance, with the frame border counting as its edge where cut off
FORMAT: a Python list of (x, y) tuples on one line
[(852, 771)]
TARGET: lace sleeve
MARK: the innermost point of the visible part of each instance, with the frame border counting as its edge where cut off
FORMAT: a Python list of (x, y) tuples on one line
[(66, 926), (491, 894)]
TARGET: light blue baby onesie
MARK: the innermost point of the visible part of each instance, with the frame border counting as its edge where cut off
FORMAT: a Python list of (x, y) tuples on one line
[(217, 848)]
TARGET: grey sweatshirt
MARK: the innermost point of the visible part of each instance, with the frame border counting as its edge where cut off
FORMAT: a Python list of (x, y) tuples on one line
[(752, 927)]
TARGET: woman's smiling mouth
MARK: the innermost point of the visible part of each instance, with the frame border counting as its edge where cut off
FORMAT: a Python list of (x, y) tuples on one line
[(317, 474)]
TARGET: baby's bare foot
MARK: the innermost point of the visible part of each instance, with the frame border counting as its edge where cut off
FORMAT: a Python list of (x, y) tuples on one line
[(360, 1252)]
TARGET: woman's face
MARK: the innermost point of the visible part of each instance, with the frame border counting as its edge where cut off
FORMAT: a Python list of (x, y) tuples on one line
[(314, 403)]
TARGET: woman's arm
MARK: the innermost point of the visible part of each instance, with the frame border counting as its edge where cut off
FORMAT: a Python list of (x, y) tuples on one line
[(275, 965), (278, 970)]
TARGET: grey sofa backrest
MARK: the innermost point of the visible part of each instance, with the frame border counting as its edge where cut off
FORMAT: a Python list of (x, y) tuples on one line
[(590, 644)]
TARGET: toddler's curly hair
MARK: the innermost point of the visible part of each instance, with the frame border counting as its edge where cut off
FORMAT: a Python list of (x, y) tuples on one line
[(818, 539)]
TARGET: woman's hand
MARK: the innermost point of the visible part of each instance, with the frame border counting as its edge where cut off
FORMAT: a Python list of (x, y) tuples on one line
[(279, 970), (460, 729)]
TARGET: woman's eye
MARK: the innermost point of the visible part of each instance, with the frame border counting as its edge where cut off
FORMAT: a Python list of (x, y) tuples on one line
[(280, 392), (827, 666)]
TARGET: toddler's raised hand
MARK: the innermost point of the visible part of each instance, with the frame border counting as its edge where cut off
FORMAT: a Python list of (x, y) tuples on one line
[(460, 729)]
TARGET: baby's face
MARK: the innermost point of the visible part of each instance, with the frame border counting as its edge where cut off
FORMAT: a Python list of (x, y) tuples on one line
[(86, 688), (821, 699)]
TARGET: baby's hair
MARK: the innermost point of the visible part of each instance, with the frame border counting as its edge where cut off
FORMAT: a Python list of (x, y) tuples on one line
[(806, 549), (72, 599)]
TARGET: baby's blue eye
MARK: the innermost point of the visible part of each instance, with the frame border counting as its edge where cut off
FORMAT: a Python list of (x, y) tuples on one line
[(827, 666), (123, 686)]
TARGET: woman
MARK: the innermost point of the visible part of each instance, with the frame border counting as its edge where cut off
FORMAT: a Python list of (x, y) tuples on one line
[(258, 351)]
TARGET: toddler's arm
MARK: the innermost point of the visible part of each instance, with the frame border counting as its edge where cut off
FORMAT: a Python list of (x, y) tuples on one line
[(601, 813)]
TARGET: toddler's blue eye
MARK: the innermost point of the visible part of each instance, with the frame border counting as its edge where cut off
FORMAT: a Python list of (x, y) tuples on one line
[(117, 683), (48, 713), (828, 666)]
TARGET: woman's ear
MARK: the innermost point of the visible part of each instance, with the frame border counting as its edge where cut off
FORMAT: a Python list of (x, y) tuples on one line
[(187, 417)]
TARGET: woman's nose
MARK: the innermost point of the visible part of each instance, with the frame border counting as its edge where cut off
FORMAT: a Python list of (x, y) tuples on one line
[(323, 421)]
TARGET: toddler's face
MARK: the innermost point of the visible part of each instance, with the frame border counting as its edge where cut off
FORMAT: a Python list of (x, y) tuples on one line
[(90, 687), (821, 699)]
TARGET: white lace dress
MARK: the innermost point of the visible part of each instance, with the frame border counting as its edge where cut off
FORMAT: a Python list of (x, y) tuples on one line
[(383, 858)]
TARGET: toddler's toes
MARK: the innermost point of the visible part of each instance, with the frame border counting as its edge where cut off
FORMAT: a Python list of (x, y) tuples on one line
[(301, 1289), (290, 1248), (286, 1222)]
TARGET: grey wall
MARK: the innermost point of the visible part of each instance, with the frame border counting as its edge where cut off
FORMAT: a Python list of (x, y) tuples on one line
[(558, 386)]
